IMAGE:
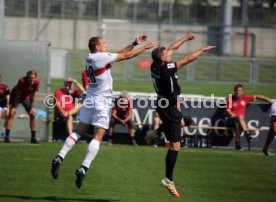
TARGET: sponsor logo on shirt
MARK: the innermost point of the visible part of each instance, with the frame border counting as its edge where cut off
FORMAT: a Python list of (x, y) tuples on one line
[(171, 65)]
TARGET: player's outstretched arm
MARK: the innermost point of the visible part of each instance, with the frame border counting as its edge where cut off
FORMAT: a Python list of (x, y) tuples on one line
[(173, 47), (264, 98), (121, 54), (191, 57), (140, 50)]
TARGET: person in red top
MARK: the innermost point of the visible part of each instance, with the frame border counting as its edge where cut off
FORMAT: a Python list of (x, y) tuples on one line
[(122, 114), (4, 99), (66, 108), (84, 80), (235, 112), (24, 93), (4, 103)]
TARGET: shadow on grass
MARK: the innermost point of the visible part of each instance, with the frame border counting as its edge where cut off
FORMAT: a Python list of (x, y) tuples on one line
[(53, 198)]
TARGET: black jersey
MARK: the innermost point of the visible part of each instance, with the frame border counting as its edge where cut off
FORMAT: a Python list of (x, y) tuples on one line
[(164, 78)]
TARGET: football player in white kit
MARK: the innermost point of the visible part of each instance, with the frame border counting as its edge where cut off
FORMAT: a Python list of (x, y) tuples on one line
[(271, 132), (98, 103)]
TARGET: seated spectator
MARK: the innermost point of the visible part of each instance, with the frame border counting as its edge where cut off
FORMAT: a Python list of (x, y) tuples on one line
[(235, 112), (122, 114), (4, 103), (66, 107)]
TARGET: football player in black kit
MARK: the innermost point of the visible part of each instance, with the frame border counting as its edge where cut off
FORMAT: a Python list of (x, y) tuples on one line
[(164, 76)]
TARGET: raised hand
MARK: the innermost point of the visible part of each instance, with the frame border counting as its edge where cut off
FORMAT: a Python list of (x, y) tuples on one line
[(204, 49), (140, 39), (190, 36)]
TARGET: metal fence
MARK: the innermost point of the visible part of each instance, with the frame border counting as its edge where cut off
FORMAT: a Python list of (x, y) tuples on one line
[(69, 23), (259, 13), (215, 69)]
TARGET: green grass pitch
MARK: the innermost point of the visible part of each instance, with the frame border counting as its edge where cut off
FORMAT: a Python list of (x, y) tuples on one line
[(132, 174)]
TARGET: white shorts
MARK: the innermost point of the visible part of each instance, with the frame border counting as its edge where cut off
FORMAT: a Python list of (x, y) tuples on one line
[(96, 111), (3, 112)]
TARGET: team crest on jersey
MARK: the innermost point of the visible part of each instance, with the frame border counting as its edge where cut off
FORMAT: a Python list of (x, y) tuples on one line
[(170, 65), (242, 103)]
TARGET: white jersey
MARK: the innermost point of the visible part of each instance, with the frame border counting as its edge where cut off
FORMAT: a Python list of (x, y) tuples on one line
[(98, 73), (273, 109)]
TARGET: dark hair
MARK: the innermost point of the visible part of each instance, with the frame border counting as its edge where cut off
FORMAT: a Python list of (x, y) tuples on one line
[(30, 72), (93, 41), (238, 86), (157, 53)]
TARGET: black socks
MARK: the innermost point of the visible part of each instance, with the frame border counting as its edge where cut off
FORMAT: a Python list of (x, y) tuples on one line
[(170, 162)]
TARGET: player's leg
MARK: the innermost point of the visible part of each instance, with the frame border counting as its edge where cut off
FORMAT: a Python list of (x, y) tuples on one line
[(233, 124), (271, 134), (93, 147), (76, 109), (32, 113), (81, 129), (158, 129), (72, 113), (171, 158), (100, 120), (69, 124), (91, 153), (171, 120), (111, 129), (244, 128), (9, 120), (131, 132), (237, 131), (67, 146), (151, 135), (2, 112), (275, 162), (274, 132), (3, 115)]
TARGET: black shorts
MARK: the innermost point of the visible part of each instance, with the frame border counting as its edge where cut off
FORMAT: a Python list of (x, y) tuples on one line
[(114, 121), (230, 122), (171, 122), (26, 103), (3, 103)]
